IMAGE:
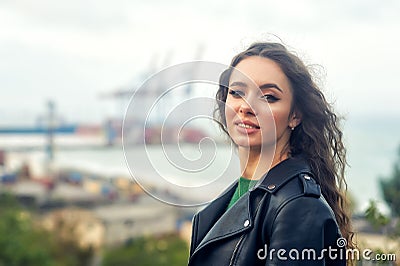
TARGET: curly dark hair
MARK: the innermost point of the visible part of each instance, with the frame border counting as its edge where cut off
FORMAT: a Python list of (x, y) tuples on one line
[(318, 137)]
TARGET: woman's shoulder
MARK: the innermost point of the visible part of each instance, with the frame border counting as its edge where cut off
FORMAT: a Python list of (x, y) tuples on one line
[(297, 207), (299, 199), (302, 193)]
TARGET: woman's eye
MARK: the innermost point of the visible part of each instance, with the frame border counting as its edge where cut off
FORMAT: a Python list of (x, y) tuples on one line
[(270, 98), (236, 94)]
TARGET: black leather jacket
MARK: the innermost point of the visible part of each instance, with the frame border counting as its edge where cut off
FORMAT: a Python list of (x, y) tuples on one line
[(283, 221)]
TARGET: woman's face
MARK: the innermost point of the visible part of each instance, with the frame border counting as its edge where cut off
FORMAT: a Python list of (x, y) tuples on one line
[(258, 105)]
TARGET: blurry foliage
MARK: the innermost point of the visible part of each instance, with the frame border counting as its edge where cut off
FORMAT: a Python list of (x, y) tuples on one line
[(391, 188), (375, 217), (390, 225), (381, 222), (154, 251), (22, 242)]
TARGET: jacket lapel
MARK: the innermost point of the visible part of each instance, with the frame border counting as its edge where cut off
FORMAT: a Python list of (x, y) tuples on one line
[(217, 223)]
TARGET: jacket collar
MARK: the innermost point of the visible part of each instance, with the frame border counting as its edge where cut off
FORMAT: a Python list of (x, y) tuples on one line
[(283, 173)]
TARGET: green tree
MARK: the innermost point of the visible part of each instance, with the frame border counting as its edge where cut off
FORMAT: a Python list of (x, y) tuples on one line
[(149, 251), (391, 188), (23, 242), (20, 242), (375, 217)]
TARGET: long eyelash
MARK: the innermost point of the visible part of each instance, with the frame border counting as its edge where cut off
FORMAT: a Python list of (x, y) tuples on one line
[(234, 93), (270, 97)]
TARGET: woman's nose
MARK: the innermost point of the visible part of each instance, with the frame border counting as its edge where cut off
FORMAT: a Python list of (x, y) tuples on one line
[(246, 108)]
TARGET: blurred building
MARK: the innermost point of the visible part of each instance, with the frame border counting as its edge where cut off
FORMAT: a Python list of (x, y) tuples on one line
[(123, 222), (77, 225), (113, 224)]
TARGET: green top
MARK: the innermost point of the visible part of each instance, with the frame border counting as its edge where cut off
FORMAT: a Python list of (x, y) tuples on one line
[(243, 186)]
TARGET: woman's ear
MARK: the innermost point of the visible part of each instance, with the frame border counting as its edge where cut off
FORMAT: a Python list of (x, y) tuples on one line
[(295, 120)]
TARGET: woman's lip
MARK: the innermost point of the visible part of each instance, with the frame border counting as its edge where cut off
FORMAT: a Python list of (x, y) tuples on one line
[(247, 124), (246, 130)]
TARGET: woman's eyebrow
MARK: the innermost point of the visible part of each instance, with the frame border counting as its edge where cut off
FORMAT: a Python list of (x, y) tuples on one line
[(238, 84), (270, 85), (262, 87)]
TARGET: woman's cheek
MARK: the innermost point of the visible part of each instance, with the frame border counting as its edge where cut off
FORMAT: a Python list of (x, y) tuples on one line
[(280, 116)]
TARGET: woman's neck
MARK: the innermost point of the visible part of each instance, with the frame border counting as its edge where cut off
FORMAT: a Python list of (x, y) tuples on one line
[(254, 163)]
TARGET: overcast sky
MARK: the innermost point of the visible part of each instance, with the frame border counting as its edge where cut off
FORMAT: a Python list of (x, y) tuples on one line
[(73, 51)]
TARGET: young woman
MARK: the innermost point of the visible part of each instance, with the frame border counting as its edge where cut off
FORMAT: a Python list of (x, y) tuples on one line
[(288, 207)]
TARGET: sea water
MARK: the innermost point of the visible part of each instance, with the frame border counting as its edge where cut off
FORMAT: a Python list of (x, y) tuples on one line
[(203, 171)]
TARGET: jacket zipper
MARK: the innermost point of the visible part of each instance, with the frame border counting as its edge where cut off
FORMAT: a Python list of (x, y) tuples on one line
[(236, 249)]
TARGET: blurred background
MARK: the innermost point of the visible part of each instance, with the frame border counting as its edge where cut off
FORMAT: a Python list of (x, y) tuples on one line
[(69, 69)]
